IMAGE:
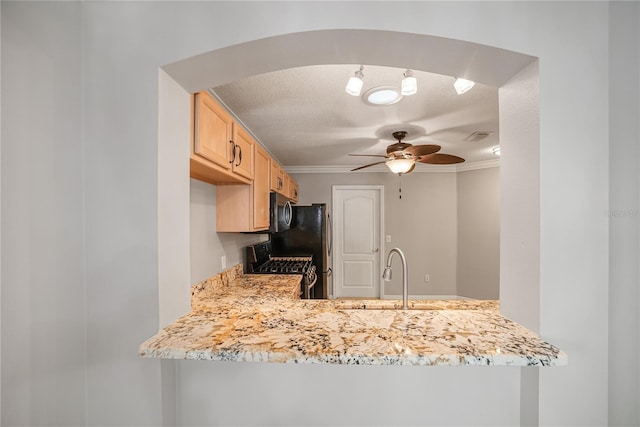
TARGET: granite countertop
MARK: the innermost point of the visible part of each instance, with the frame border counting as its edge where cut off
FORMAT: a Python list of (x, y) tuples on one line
[(261, 318)]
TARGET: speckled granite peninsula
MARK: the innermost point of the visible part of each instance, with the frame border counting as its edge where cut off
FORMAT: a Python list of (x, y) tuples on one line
[(260, 318)]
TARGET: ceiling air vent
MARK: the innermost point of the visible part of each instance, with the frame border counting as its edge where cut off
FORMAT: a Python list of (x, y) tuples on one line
[(478, 135)]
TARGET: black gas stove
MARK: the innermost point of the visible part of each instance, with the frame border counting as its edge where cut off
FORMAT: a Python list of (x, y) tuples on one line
[(259, 260), (286, 265)]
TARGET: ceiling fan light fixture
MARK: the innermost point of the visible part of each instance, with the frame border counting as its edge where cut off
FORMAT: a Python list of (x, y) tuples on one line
[(462, 85), (355, 83), (409, 84), (400, 166)]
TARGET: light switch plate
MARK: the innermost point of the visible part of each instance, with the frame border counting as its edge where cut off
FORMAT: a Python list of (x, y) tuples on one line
[(387, 238), (223, 261)]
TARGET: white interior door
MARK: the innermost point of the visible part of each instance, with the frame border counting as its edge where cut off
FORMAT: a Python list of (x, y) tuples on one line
[(357, 213)]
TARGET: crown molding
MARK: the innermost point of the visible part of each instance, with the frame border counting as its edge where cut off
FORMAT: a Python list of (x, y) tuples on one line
[(462, 167), (484, 164)]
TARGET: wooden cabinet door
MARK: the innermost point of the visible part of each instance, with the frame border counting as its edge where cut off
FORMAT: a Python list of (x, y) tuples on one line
[(243, 155), (261, 186), (287, 184), (277, 177), (213, 131), (295, 189)]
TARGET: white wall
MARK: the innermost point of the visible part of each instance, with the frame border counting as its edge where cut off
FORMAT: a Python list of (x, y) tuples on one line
[(422, 223), (334, 395), (174, 264), (478, 225), (520, 198), (123, 46), (520, 217), (43, 292), (0, 216), (574, 240), (624, 188)]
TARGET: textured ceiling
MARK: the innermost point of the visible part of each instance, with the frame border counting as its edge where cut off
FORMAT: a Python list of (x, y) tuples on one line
[(305, 117)]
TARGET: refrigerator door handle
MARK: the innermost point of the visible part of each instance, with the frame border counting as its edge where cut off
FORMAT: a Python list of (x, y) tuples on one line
[(329, 234)]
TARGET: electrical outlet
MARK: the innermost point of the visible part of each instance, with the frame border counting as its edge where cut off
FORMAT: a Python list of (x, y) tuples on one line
[(387, 239), (427, 278), (223, 261)]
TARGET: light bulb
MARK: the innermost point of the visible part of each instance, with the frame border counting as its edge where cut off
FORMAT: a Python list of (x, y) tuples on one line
[(462, 85), (409, 84), (354, 85)]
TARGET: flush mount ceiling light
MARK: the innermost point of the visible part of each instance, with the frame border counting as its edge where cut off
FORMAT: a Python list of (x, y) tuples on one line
[(462, 85), (400, 166), (496, 150), (409, 84), (382, 95), (354, 85)]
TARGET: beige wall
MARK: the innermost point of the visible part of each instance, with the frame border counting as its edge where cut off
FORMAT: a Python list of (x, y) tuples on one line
[(422, 223), (478, 260), (207, 246)]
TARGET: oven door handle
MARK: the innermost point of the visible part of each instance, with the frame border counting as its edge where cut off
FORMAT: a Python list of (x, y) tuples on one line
[(311, 285), (288, 213)]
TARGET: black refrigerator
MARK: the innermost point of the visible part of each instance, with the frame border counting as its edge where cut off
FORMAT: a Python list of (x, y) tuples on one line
[(310, 234)]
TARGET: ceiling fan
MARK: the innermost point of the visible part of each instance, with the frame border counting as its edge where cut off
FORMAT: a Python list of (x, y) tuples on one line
[(401, 156)]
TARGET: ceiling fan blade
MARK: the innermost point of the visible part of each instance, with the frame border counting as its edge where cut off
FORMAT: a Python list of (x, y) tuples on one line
[(422, 150), (441, 159), (366, 166), (368, 155)]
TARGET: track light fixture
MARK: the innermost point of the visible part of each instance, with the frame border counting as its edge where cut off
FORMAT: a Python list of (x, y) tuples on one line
[(462, 85), (354, 85), (409, 84)]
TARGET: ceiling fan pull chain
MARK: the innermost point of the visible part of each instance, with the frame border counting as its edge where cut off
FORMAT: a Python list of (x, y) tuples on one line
[(400, 185)]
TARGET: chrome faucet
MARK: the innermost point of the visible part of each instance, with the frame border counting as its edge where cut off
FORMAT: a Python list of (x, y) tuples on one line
[(386, 275)]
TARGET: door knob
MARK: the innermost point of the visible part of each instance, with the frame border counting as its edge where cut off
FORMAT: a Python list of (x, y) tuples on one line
[(373, 251)]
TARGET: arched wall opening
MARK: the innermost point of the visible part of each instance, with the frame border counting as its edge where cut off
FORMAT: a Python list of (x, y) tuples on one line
[(515, 74)]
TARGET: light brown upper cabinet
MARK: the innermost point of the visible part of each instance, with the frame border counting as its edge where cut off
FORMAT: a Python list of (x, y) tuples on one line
[(245, 208), (277, 177), (261, 189), (294, 189), (243, 155), (282, 183), (221, 151), (225, 154)]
